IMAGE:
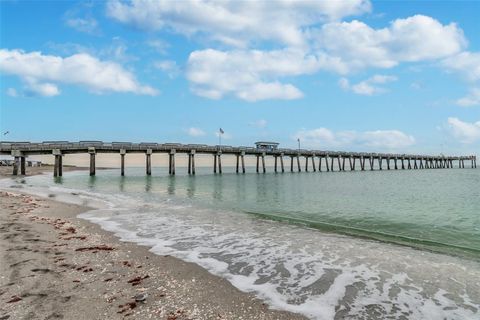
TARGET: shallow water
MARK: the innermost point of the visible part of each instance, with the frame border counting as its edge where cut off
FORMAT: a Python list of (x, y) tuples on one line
[(218, 221)]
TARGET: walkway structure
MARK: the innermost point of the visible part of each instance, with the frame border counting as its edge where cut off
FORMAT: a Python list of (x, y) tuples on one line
[(332, 161)]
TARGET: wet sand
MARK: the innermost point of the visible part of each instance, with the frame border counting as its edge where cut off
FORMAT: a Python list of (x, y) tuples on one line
[(56, 266)]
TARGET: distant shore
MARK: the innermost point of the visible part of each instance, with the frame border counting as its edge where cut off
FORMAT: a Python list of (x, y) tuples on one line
[(54, 265)]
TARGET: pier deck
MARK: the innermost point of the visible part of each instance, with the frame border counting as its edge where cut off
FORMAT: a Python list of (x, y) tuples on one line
[(343, 160)]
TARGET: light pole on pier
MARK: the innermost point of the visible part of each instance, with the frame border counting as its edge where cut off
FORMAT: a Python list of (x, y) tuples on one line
[(220, 132)]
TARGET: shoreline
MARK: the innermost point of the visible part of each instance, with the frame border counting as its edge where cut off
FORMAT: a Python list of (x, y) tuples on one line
[(56, 265)]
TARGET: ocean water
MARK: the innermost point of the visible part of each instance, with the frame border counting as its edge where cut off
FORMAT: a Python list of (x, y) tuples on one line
[(341, 245)]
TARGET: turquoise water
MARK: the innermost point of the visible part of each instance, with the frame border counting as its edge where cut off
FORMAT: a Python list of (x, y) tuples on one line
[(333, 254), (436, 209)]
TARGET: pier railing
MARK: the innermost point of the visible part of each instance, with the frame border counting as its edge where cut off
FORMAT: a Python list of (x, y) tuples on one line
[(339, 160)]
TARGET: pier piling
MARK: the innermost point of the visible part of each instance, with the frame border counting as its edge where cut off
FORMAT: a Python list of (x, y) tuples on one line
[(122, 162), (16, 164), (60, 165), (55, 167), (263, 162), (242, 156), (91, 151), (148, 156), (171, 162), (215, 163), (22, 166), (192, 156), (237, 163)]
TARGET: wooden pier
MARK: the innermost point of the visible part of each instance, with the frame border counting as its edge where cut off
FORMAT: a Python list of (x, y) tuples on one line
[(334, 161)]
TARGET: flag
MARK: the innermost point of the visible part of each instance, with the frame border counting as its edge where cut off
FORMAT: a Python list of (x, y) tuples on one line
[(221, 131)]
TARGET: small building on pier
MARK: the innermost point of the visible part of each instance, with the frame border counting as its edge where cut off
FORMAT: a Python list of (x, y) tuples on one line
[(266, 145)]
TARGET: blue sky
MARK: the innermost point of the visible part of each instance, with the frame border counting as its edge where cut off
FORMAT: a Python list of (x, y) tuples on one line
[(347, 75)]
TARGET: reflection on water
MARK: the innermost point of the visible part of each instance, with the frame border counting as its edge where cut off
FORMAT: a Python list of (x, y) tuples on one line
[(91, 182), (191, 187), (171, 185), (122, 183), (148, 183), (217, 187), (58, 180)]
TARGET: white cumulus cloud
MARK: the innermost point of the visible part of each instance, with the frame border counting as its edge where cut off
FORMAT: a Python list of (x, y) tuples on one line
[(369, 86), (392, 139), (308, 37), (340, 47), (465, 63), (415, 38), (42, 73), (250, 75), (380, 139), (41, 89), (471, 99), (465, 132), (234, 22)]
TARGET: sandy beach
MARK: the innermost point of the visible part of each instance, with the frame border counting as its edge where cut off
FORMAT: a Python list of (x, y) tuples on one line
[(56, 266)]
